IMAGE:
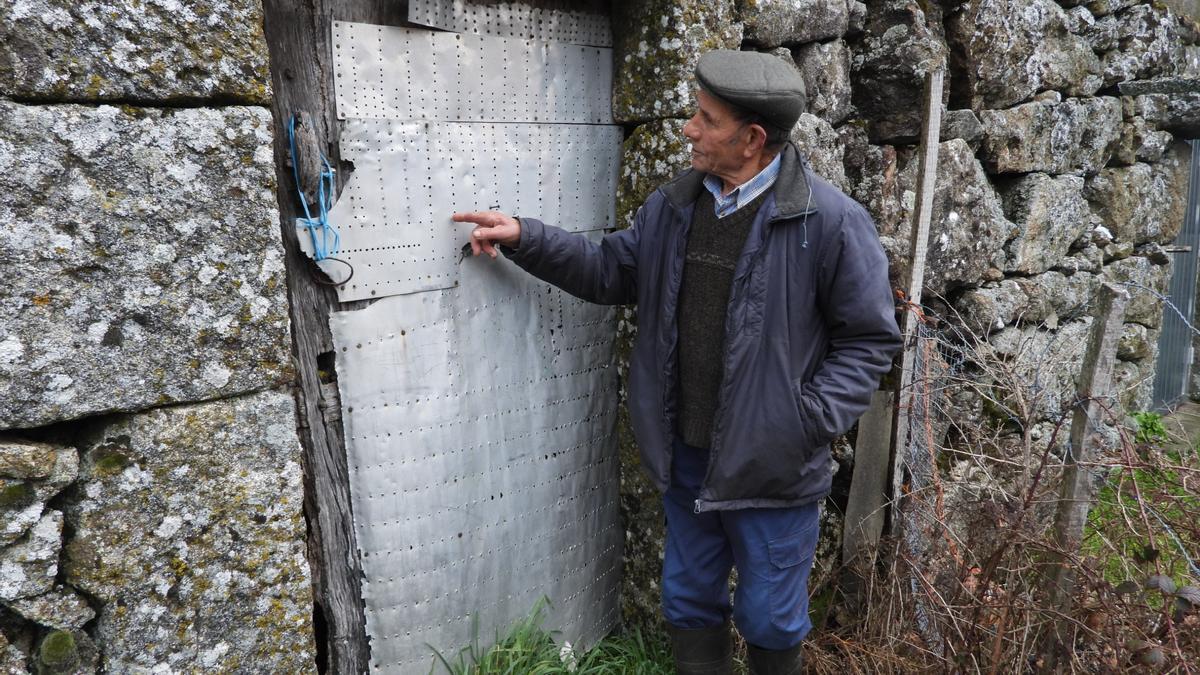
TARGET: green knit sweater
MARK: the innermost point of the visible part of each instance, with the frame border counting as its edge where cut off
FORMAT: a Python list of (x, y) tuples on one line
[(713, 248)]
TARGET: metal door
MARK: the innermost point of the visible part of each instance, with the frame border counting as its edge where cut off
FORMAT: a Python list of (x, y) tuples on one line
[(1175, 343)]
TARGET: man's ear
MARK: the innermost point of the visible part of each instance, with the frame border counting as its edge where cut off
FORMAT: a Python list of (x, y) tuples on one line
[(757, 140)]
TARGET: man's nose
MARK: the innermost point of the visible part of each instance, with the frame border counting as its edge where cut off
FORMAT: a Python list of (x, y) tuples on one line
[(689, 129)]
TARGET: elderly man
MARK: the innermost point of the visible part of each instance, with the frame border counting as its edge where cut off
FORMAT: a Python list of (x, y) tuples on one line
[(765, 321)]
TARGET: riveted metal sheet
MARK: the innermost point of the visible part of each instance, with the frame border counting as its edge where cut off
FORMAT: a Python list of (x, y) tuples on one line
[(387, 72), (1176, 353), (394, 214), (571, 21), (480, 428)]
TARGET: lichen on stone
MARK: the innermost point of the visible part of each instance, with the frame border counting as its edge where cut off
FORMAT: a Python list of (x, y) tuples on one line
[(134, 49), (771, 23), (1145, 43), (822, 148), (1050, 214), (25, 459), (113, 218), (195, 548), (61, 608), (1143, 202), (1075, 136), (655, 54), (652, 155), (1006, 51), (28, 567), (901, 44), (825, 67), (968, 228)]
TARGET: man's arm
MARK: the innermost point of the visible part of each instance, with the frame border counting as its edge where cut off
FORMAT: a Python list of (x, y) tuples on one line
[(604, 272), (856, 301)]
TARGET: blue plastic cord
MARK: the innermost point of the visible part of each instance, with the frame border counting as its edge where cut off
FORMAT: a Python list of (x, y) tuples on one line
[(324, 236)]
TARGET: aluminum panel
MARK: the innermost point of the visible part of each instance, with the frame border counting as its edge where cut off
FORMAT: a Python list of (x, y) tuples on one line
[(387, 72), (547, 20), (394, 214), (1174, 364), (480, 429)]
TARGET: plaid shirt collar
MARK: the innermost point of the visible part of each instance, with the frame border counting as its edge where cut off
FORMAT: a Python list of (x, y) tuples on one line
[(744, 193)]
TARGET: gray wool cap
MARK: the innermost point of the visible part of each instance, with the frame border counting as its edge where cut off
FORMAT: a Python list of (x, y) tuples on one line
[(762, 83)]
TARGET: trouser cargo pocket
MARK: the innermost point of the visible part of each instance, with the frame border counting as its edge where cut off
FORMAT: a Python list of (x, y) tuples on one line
[(791, 558)]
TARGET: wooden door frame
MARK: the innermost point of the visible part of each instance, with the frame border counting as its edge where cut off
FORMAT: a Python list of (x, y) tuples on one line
[(298, 34)]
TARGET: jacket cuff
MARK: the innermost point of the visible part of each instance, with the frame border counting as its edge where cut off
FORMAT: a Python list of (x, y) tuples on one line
[(531, 234)]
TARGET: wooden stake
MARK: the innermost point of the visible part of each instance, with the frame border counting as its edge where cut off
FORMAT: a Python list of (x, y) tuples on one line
[(1087, 436), (916, 281), (867, 505)]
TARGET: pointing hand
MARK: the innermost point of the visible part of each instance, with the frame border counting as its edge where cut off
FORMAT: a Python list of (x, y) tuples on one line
[(492, 227)]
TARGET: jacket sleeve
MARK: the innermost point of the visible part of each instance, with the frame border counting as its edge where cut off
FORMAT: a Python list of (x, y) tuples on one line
[(855, 299), (604, 272)]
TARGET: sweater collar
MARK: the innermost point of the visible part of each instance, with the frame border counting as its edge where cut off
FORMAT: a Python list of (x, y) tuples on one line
[(794, 198)]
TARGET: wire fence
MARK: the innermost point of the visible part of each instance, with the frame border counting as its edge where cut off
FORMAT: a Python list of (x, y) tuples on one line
[(964, 585)]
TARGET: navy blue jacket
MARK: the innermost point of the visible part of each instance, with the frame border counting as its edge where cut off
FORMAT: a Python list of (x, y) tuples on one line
[(810, 329)]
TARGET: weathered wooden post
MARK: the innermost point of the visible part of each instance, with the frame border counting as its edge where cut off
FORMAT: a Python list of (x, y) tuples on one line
[(298, 36), (877, 430), (883, 430), (908, 458), (916, 281), (1087, 437), (867, 506)]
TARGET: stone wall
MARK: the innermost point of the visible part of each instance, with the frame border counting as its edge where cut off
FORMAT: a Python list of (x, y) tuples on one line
[(150, 497), (150, 483), (1061, 166)]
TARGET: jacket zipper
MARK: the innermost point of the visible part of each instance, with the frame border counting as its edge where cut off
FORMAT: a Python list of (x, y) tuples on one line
[(754, 260), (743, 279)]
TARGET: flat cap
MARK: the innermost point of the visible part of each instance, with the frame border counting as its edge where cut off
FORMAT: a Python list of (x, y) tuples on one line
[(762, 83)]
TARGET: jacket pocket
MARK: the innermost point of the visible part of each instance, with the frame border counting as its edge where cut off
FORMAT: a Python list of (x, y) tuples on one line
[(803, 424)]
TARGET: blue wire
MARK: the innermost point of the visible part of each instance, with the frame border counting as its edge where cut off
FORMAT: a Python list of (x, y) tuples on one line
[(324, 236)]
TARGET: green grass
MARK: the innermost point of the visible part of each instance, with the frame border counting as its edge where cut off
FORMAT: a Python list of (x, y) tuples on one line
[(1117, 532), (529, 649)]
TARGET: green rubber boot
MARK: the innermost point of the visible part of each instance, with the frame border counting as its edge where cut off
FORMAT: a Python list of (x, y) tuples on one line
[(775, 661), (702, 651)]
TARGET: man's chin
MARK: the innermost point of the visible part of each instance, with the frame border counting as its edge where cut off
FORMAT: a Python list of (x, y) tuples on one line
[(698, 163)]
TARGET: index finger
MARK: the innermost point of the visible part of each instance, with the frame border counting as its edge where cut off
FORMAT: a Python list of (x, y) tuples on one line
[(488, 218)]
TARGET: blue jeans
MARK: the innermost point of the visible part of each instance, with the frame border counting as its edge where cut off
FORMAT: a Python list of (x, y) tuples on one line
[(772, 549)]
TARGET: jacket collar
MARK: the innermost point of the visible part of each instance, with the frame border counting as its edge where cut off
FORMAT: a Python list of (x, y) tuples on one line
[(794, 200)]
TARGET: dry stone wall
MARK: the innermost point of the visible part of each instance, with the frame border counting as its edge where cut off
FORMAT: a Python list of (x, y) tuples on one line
[(150, 498), (150, 483), (1061, 166)]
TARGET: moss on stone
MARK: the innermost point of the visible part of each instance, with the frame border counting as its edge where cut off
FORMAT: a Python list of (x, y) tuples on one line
[(654, 61), (95, 86), (652, 155), (180, 568), (57, 653), (16, 495), (110, 462)]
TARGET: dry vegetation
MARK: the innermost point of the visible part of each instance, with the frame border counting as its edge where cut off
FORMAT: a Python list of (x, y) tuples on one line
[(972, 591)]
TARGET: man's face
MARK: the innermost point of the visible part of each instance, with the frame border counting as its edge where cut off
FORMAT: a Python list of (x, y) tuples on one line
[(719, 139)]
